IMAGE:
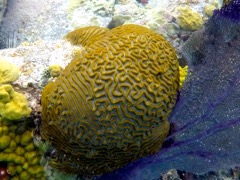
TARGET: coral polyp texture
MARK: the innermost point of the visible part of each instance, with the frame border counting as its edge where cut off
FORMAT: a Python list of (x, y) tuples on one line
[(18, 152), (183, 72), (86, 36), (13, 105), (111, 104), (8, 72), (188, 19)]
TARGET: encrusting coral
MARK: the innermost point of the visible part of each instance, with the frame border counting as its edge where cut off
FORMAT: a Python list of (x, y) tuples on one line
[(111, 104), (8, 72), (189, 19), (55, 70), (13, 105), (208, 9), (183, 72), (19, 152)]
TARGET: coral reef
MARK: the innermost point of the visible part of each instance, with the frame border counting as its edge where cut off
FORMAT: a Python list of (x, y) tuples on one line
[(189, 19), (28, 55), (111, 104), (59, 17), (19, 158)]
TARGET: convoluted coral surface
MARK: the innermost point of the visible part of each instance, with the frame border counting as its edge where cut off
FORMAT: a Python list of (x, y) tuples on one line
[(18, 152), (111, 103), (86, 36)]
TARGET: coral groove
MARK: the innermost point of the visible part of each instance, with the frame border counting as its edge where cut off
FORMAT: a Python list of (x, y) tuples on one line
[(111, 104)]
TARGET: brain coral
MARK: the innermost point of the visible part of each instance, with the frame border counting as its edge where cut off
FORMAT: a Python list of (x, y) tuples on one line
[(86, 35), (111, 104)]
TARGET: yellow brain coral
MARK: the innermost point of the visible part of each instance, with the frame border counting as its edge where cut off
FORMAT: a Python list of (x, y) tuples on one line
[(111, 104), (13, 105), (78, 36)]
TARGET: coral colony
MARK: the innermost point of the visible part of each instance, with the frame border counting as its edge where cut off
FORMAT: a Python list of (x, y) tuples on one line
[(110, 105)]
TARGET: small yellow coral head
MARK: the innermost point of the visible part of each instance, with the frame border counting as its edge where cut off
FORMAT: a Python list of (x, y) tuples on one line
[(8, 72), (4, 141), (183, 72), (189, 19), (55, 70), (208, 9), (13, 105)]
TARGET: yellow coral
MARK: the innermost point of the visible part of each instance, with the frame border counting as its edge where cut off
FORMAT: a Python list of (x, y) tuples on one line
[(19, 152), (30, 147), (189, 19), (183, 72), (12, 146), (55, 70), (13, 105), (24, 175), (77, 51), (25, 43), (8, 72), (26, 138), (113, 101), (208, 9), (94, 33), (3, 130), (29, 156), (4, 141)]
